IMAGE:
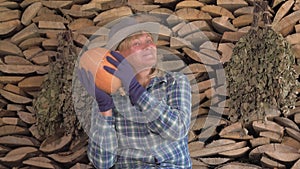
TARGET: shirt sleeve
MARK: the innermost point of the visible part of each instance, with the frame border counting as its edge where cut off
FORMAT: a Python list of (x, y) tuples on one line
[(170, 119), (102, 142)]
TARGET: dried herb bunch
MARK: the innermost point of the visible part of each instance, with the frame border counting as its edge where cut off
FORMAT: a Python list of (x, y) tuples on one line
[(54, 106), (260, 75)]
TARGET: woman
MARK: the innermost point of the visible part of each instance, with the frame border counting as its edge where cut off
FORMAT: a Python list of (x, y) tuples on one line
[(148, 126)]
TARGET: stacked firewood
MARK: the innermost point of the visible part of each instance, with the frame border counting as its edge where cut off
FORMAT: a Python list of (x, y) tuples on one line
[(197, 38)]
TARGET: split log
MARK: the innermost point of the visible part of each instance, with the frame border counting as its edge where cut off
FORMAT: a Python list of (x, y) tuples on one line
[(12, 129), (282, 11), (214, 161), (69, 157), (232, 5), (215, 150), (19, 140), (238, 165), (235, 153), (274, 147), (8, 48), (9, 27), (30, 12), (41, 162), (55, 143), (215, 11), (16, 60), (15, 98), (16, 156), (28, 118), (267, 162), (222, 24)]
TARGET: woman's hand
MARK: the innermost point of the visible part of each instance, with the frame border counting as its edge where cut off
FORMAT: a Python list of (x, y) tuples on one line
[(126, 73), (104, 101)]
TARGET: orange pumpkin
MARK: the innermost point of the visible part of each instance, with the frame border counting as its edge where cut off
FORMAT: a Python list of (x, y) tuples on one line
[(93, 60)]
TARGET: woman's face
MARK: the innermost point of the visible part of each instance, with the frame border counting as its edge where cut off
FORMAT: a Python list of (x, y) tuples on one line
[(141, 53)]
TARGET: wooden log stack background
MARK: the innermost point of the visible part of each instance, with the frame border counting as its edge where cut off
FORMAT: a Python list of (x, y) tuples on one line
[(28, 31)]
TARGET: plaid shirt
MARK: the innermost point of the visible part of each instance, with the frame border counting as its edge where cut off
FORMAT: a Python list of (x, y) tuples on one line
[(150, 134)]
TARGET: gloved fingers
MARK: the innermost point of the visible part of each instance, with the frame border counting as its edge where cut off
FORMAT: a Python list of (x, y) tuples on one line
[(113, 61), (117, 55), (109, 70)]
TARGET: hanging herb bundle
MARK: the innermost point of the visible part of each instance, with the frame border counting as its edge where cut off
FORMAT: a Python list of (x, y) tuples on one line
[(260, 74), (54, 107)]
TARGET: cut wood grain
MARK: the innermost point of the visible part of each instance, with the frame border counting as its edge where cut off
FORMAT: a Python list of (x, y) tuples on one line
[(19, 140), (274, 137), (222, 24), (35, 41), (214, 161), (10, 15), (286, 123), (297, 118), (273, 147), (51, 25), (29, 32), (189, 4), (200, 57), (267, 126), (50, 17), (226, 51), (293, 133), (244, 11), (232, 36), (112, 14), (242, 20), (215, 11), (192, 27), (12, 129), (15, 156), (30, 12), (296, 165), (269, 163), (8, 48), (12, 121), (235, 153), (81, 166), (16, 60), (31, 83), (289, 141), (231, 128), (27, 117), (9, 27), (282, 11), (41, 162), (293, 38), (232, 5), (69, 157), (55, 143), (259, 141), (215, 150), (57, 4), (239, 165), (80, 23), (284, 157), (14, 89), (287, 23), (15, 98), (192, 14)]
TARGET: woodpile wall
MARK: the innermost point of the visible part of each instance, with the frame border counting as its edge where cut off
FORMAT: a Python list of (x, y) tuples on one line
[(28, 31)]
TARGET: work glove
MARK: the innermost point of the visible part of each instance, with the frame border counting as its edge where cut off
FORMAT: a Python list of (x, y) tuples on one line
[(104, 101), (126, 73)]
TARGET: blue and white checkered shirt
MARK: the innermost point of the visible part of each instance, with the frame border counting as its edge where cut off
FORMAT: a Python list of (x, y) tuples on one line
[(150, 134)]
